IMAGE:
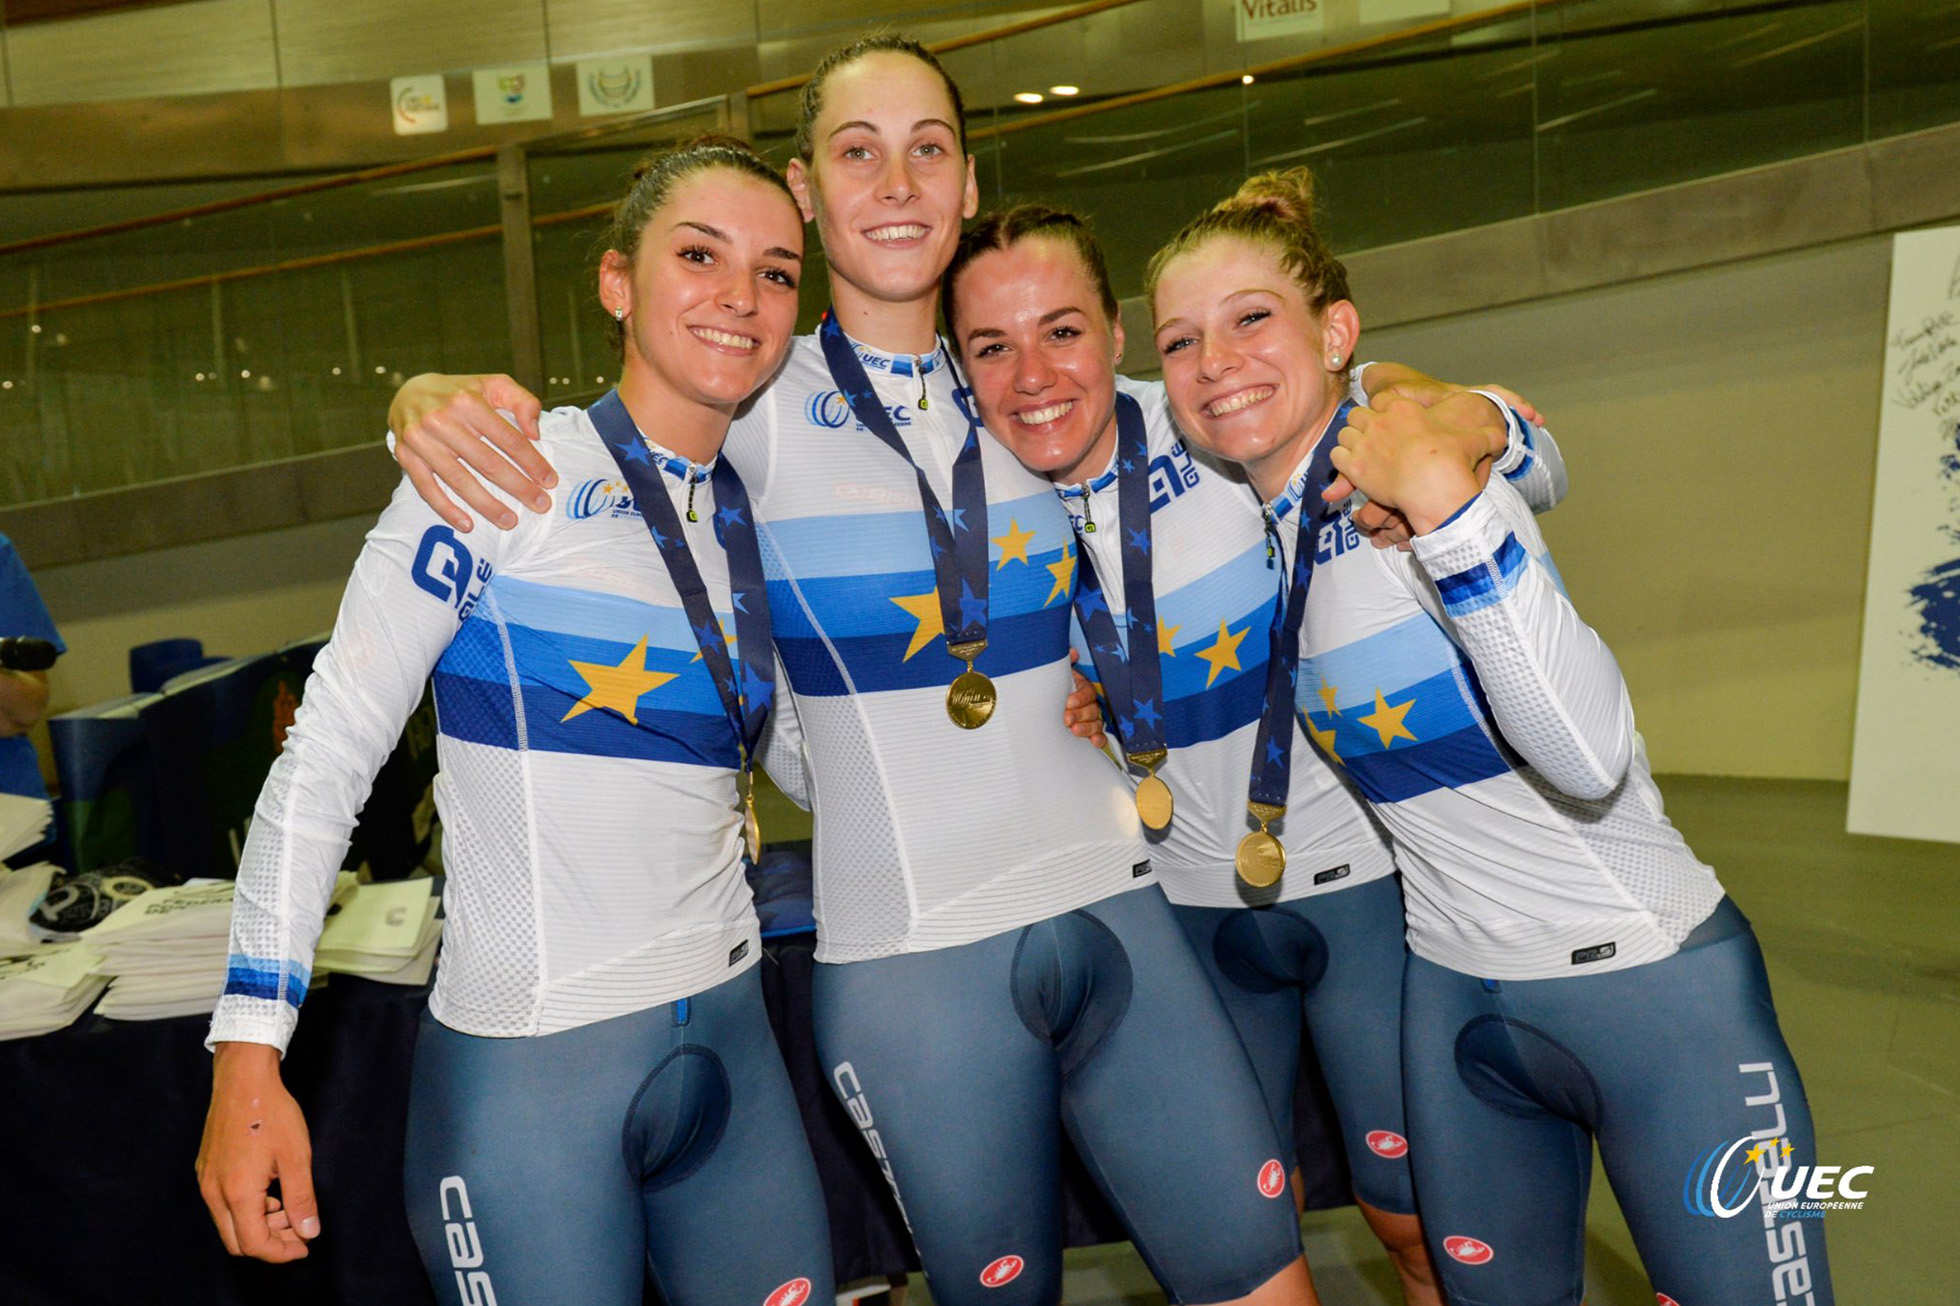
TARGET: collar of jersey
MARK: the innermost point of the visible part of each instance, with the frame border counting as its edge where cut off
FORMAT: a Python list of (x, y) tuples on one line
[(681, 469), (901, 364), (1070, 493), (1296, 484)]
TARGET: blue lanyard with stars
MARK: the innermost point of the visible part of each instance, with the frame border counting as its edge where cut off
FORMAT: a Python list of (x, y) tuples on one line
[(1133, 683), (958, 539), (1272, 757), (1087, 492), (746, 703)]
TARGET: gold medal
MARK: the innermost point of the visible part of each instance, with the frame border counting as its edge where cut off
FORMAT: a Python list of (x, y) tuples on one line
[(970, 699), (1261, 859), (1154, 802)]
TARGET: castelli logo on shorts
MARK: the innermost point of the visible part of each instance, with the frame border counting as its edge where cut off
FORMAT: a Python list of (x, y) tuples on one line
[(1662, 1299), (1468, 1250), (793, 1293), (1002, 1272), (1272, 1179), (1388, 1143)]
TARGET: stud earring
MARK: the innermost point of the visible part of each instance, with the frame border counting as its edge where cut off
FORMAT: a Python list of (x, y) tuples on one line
[(1335, 361), (619, 315)]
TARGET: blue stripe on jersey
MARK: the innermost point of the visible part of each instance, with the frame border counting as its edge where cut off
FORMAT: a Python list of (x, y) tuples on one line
[(259, 977), (1476, 588), (590, 612), (679, 720), (1519, 472), (837, 546), (876, 663), (1408, 715)]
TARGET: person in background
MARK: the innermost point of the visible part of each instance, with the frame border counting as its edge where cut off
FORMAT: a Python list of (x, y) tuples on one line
[(23, 694)]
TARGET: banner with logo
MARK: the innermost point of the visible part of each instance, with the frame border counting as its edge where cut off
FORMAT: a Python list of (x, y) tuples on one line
[(518, 93), (420, 104), (1905, 754), (619, 84)]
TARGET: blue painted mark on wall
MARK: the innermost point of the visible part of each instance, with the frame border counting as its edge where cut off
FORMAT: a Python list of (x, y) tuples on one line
[(1937, 597)]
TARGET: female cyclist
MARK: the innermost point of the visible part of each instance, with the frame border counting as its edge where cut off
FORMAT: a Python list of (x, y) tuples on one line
[(596, 1090), (1576, 974)]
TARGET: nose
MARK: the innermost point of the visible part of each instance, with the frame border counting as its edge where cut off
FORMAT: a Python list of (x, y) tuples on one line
[(1032, 372), (738, 293), (1216, 358), (895, 180)]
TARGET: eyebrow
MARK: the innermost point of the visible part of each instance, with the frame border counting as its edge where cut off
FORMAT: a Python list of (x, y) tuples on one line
[(716, 233), (873, 127), (1050, 316)]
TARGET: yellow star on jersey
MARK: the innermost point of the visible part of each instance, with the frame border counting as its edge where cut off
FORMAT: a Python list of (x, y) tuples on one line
[(1325, 738), (619, 688), (1167, 640), (1224, 652), (1327, 693), (1064, 574), (1013, 545), (1386, 721), (924, 609)]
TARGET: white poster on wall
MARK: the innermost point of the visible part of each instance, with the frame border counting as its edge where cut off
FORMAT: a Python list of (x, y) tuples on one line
[(621, 84), (518, 93), (1905, 754), (1398, 11), (1260, 20), (420, 104)]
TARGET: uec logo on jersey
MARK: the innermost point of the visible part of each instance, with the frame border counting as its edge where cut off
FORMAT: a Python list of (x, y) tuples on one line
[(1388, 1143), (1471, 1251), (1719, 1186), (828, 408), (793, 1293), (1002, 1272), (592, 498), (1272, 1179)]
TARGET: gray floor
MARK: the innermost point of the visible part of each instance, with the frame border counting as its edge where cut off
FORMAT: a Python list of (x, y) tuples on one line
[(1863, 941)]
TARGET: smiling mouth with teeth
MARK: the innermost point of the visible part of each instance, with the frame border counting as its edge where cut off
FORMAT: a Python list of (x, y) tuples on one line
[(727, 338), (1042, 416), (1243, 399), (899, 231)]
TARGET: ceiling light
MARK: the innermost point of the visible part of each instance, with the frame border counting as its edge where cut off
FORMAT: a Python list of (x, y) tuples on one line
[(1028, 97), (1065, 90), (1246, 80)]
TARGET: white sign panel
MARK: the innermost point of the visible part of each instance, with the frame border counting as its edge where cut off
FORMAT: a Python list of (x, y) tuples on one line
[(519, 93), (1260, 20), (617, 85), (420, 105), (1905, 756)]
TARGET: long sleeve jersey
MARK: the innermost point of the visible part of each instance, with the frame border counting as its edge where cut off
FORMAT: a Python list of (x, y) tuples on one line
[(1216, 586), (1489, 728), (588, 772), (927, 835)]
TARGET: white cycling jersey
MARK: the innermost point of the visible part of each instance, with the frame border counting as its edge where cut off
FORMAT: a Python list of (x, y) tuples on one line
[(1489, 728), (588, 772), (1216, 586), (927, 835)]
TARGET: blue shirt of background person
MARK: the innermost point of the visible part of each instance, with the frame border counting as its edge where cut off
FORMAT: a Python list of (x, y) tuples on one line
[(23, 694)]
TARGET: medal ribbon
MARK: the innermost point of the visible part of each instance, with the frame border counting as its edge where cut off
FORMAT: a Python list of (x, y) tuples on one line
[(1133, 683), (1272, 750), (746, 703), (958, 540)]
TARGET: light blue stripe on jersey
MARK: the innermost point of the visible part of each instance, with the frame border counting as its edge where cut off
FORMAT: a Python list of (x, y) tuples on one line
[(837, 546), (1424, 726), (1195, 711), (1475, 588), (259, 977), (602, 616)]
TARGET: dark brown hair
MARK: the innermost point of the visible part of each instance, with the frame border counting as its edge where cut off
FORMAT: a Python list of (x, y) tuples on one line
[(1003, 229), (1274, 209), (875, 42), (654, 180)]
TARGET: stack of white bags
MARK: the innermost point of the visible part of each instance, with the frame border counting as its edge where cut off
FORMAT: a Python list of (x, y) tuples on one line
[(164, 953)]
